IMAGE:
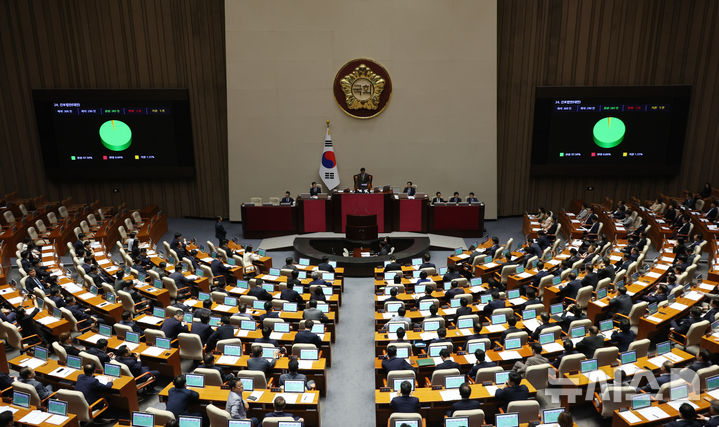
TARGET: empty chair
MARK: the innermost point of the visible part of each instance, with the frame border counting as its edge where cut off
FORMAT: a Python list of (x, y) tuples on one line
[(528, 410), (16, 340), (538, 375), (606, 355), (274, 421), (162, 416), (641, 347), (218, 417), (439, 375), (297, 348), (190, 346), (152, 334), (612, 398), (476, 416), (487, 374), (570, 362), (523, 335), (76, 404), (258, 378), (91, 359), (220, 347), (690, 342), (257, 201), (396, 419), (212, 376), (59, 352)]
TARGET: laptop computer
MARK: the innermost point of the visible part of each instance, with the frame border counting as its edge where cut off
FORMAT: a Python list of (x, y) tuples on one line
[(602, 293), (501, 377), (392, 307), (304, 261), (239, 423), (578, 332), (74, 362), (664, 347), (281, 327), (202, 296), (269, 287), (248, 325), (679, 392), (456, 422), (248, 384), (231, 301), (606, 325), (104, 330), (512, 343), (290, 424), (158, 312), (112, 370), (431, 325), (546, 338), (294, 386), (163, 343), (499, 319), (233, 350), (290, 307), (556, 309), (143, 419), (510, 419), (21, 399), (514, 293), (466, 323), (712, 383), (529, 314), (190, 421), (269, 352), (485, 299), (313, 354), (550, 416), (215, 321), (589, 365), (453, 381), (435, 350), (40, 353), (642, 400), (474, 346), (628, 357), (397, 383), (57, 407), (195, 380), (274, 271)]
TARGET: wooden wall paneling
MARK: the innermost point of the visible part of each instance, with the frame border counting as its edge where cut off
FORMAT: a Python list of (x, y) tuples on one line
[(603, 42), (116, 44)]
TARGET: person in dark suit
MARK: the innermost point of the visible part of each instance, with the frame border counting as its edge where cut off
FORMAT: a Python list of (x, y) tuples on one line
[(257, 363), (269, 312), (438, 198), (178, 245), (125, 356), (683, 230), (663, 378), (306, 336), (465, 404), (703, 360), (56, 297), (33, 282), (713, 310), (464, 308), (180, 399), (590, 277), (127, 321), (512, 322), (393, 363), (172, 326), (447, 363), (266, 333), (425, 261), (471, 198), (451, 274), (325, 265), (223, 332), (180, 280), (290, 295), (455, 198), (682, 326), (89, 386), (208, 362), (279, 406), (544, 324), (531, 248), (220, 269), (542, 240), (315, 189), (454, 290), (409, 189), (514, 390), (258, 292), (66, 341), (713, 421), (363, 179), (713, 211), (393, 264), (568, 350), (622, 303), (480, 363), (287, 200), (607, 270), (405, 403), (623, 337), (571, 289), (220, 233), (689, 417), (659, 295), (203, 328), (100, 351), (591, 342), (496, 302)]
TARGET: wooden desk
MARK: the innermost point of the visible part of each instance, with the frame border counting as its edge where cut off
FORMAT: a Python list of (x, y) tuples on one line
[(434, 407), (287, 340), (8, 293), (21, 412), (168, 363), (310, 411), (703, 403), (318, 371), (124, 388), (99, 306)]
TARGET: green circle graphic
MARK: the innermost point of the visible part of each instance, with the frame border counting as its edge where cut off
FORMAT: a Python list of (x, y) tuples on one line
[(115, 135), (609, 132)]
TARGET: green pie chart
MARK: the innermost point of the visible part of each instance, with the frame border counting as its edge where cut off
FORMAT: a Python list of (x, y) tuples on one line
[(609, 132), (115, 135)]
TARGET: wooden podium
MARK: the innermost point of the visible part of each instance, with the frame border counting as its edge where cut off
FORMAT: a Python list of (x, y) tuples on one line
[(362, 227)]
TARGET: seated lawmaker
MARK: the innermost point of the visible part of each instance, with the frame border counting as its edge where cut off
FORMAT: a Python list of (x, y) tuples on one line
[(466, 404), (455, 198), (287, 200), (405, 402), (363, 180), (409, 189), (471, 198), (438, 198), (315, 189)]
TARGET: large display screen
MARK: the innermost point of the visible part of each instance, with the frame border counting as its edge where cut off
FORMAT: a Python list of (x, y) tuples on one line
[(636, 130), (132, 134)]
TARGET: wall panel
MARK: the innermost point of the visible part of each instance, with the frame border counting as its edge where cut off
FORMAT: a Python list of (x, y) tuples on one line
[(115, 44), (603, 42)]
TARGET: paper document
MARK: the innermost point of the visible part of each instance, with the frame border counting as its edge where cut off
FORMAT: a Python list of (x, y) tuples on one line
[(153, 351), (714, 393), (62, 372), (517, 301), (47, 320), (8, 408), (256, 394), (437, 360), (387, 315), (72, 288), (222, 307), (227, 360), (56, 419), (462, 256), (596, 376), (509, 355), (32, 363), (496, 328), (427, 336), (677, 403), (450, 311), (269, 277), (630, 368), (666, 259), (654, 319), (657, 360), (615, 258), (451, 394), (630, 417), (531, 324), (491, 264), (673, 357), (470, 358), (130, 345), (307, 398), (553, 347), (242, 332), (678, 306), (190, 302), (491, 389), (6, 291), (290, 398), (103, 261), (276, 335), (306, 364), (15, 301), (34, 417), (425, 313), (524, 275), (465, 332), (86, 295), (706, 287), (207, 259), (654, 274), (392, 336), (94, 338), (693, 295), (152, 320)]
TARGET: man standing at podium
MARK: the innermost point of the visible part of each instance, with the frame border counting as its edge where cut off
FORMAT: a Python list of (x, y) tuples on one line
[(363, 180)]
